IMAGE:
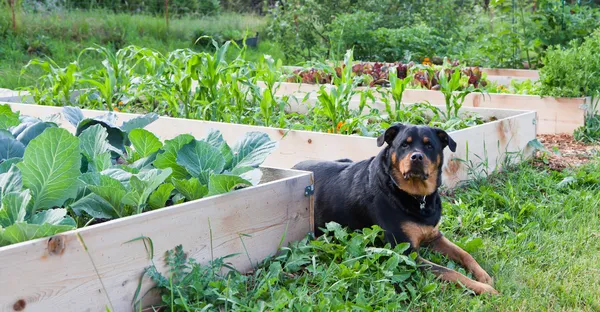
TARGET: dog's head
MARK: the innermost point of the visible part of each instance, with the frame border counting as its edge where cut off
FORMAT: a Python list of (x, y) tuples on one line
[(415, 156)]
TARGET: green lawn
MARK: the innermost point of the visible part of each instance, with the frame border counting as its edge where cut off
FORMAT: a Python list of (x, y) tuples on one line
[(536, 231), (62, 36)]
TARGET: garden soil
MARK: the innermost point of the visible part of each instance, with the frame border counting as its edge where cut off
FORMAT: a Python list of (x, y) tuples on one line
[(564, 152)]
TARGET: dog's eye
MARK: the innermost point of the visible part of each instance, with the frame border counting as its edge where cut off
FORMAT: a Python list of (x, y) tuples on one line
[(404, 145), (429, 146)]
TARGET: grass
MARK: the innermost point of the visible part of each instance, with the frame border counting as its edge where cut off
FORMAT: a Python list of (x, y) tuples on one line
[(62, 35), (537, 232)]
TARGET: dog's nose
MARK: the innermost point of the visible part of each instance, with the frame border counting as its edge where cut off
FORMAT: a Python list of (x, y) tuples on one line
[(416, 157)]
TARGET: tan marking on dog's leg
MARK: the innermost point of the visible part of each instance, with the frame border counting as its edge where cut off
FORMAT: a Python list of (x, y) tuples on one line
[(457, 254), (419, 234), (449, 275)]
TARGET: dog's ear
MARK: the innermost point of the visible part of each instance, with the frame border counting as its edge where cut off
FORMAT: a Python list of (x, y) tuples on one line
[(446, 139), (389, 134)]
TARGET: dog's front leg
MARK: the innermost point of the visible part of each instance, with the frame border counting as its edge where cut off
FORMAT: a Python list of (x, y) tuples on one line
[(449, 249), (450, 275)]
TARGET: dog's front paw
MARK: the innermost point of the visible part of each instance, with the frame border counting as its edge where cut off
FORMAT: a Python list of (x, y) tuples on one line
[(483, 277), (481, 288)]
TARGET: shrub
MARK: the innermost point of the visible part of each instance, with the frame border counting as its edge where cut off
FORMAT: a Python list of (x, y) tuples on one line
[(574, 71), (355, 31), (409, 43)]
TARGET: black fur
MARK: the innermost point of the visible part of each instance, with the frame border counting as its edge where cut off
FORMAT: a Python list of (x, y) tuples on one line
[(361, 194)]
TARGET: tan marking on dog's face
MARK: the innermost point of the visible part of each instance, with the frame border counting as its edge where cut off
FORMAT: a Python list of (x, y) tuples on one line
[(425, 140), (409, 139), (415, 186), (420, 234)]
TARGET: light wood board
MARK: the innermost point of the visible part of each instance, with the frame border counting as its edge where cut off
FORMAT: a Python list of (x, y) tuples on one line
[(60, 275)]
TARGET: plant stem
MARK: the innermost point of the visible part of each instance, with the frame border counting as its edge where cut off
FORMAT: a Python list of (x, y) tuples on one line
[(14, 19), (167, 13)]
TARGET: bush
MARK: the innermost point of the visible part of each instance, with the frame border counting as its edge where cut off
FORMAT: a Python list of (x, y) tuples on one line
[(176, 7), (574, 71), (355, 31), (209, 7), (367, 34), (407, 43)]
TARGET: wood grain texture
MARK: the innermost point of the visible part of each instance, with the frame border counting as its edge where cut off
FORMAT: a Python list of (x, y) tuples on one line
[(70, 281)]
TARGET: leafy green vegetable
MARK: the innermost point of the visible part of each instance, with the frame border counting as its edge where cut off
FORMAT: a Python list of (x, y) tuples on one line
[(224, 183), (167, 158), (201, 159), (10, 148), (95, 148), (191, 189), (252, 150), (144, 142), (159, 198), (50, 168), (8, 118)]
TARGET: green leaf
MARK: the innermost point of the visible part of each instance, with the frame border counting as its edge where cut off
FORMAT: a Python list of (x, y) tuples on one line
[(95, 206), (22, 232), (159, 198), (116, 137), (252, 150), (56, 216), (143, 184), (8, 118), (429, 288), (50, 168), (536, 145), (5, 134), (11, 181), (473, 244), (10, 148), (95, 148), (227, 154), (5, 165), (111, 190), (224, 183), (214, 138), (144, 163), (73, 115), (144, 142), (32, 131), (139, 122), (168, 158), (199, 157), (251, 174), (119, 174), (14, 207), (191, 189)]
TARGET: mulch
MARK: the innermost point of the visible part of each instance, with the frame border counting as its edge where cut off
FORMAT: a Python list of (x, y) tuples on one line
[(564, 152)]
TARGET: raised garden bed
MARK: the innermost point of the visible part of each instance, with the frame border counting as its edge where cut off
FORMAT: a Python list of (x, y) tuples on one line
[(99, 267), (555, 115), (481, 149)]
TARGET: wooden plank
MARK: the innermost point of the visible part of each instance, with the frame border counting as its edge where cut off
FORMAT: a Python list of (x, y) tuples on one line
[(509, 72), (512, 131), (65, 279)]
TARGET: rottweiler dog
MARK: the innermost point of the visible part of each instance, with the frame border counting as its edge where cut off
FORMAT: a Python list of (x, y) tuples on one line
[(398, 191)]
